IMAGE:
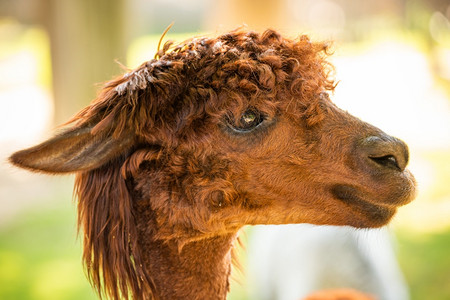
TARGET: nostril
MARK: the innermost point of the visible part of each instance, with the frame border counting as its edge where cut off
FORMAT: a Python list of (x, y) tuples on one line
[(385, 151), (388, 161)]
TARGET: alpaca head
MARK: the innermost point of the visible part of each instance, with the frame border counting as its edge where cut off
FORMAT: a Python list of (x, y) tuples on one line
[(221, 132)]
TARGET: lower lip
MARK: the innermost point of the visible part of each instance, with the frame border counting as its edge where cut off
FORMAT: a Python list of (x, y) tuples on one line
[(376, 213)]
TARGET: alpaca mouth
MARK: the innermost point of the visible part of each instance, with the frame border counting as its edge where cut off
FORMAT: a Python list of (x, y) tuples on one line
[(376, 214)]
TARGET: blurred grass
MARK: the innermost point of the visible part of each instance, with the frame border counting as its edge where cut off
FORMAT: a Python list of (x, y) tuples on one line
[(425, 261), (40, 257)]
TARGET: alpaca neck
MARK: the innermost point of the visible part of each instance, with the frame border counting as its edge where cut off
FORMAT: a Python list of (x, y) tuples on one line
[(200, 270)]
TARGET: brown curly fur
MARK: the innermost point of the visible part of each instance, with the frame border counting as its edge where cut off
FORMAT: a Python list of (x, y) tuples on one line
[(191, 86), (164, 184)]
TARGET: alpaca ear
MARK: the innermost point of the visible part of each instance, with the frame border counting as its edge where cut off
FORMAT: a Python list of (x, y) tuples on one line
[(76, 149)]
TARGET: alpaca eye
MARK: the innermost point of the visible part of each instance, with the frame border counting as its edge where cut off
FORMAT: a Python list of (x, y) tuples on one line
[(248, 121)]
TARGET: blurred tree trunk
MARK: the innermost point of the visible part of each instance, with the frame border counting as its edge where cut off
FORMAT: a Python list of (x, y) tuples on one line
[(86, 37)]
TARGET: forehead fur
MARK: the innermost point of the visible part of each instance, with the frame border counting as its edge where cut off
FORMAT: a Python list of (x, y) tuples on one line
[(203, 78)]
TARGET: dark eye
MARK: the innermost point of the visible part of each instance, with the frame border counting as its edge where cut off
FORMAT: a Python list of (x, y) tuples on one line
[(248, 121)]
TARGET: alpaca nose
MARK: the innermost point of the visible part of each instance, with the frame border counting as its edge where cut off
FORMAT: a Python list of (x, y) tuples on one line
[(386, 152)]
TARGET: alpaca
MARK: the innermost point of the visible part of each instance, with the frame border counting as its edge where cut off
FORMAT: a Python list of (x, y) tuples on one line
[(173, 158)]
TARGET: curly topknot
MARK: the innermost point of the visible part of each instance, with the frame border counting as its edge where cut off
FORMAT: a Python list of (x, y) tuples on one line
[(201, 79)]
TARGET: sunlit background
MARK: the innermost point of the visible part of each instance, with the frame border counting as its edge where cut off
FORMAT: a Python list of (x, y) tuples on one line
[(392, 59)]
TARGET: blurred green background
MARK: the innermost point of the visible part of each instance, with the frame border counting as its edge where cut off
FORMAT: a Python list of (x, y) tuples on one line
[(392, 58)]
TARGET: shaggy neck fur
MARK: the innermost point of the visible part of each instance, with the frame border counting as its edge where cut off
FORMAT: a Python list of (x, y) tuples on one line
[(131, 252), (200, 270), (182, 261)]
